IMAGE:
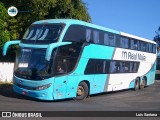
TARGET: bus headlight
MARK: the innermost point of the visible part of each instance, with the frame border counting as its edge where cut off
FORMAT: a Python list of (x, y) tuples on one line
[(44, 86)]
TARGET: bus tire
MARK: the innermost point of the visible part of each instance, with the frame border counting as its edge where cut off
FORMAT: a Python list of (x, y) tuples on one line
[(143, 84), (82, 91), (136, 84)]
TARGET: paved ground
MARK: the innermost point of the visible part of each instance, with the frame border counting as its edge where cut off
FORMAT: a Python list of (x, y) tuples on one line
[(147, 99)]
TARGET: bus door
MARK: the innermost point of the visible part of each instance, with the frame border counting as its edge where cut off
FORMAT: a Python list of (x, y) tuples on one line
[(60, 87), (61, 77)]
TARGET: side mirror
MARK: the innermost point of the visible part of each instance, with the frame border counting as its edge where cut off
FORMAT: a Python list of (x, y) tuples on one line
[(52, 46), (7, 44)]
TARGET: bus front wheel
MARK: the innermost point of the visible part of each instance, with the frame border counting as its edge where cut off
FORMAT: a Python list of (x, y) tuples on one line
[(82, 91)]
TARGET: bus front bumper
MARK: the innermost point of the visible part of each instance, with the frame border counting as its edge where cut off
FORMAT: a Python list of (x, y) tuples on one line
[(37, 94)]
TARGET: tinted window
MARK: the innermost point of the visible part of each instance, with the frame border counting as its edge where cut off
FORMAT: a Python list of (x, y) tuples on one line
[(106, 40), (101, 37), (154, 48), (114, 67), (97, 66), (112, 39), (124, 42), (66, 58), (75, 33), (96, 36), (147, 47), (88, 34), (90, 68), (150, 47), (100, 67), (143, 46), (134, 44)]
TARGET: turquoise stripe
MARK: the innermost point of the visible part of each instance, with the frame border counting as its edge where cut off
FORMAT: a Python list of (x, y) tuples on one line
[(7, 44), (73, 21), (32, 45)]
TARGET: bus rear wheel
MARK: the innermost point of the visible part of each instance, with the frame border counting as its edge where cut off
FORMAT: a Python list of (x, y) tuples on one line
[(143, 84), (136, 85), (82, 91)]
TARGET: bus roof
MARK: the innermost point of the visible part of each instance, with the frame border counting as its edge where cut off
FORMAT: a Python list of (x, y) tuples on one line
[(74, 21)]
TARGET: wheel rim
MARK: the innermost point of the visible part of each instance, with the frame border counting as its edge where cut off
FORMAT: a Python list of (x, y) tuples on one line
[(80, 91)]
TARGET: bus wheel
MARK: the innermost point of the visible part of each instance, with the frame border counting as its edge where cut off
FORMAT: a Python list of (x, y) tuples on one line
[(136, 85), (143, 84), (82, 91)]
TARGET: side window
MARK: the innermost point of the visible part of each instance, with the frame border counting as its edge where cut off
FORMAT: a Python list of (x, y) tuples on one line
[(135, 67), (118, 41), (147, 47), (111, 39), (101, 38), (143, 46), (106, 40), (96, 36), (90, 68), (99, 67), (75, 33), (107, 66), (124, 42), (131, 67), (66, 58), (154, 48), (114, 67), (138, 45), (150, 47), (134, 44), (124, 67), (88, 35)]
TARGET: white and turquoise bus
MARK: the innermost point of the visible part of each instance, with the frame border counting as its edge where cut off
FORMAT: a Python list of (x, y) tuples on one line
[(65, 58)]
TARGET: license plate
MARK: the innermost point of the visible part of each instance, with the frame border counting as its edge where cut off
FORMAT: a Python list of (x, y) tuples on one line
[(24, 92)]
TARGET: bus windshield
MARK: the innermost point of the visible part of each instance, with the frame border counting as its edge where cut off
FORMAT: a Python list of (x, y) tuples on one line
[(31, 64), (42, 33)]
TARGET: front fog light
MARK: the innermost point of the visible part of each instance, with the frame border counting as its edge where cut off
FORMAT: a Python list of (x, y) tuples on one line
[(44, 86)]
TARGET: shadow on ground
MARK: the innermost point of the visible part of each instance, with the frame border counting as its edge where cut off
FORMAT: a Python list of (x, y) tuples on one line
[(157, 76), (6, 90)]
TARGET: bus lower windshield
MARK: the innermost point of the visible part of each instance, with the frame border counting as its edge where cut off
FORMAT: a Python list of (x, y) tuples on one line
[(31, 64)]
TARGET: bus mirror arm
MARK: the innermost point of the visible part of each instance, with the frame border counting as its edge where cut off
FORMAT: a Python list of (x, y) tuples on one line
[(53, 46), (7, 44)]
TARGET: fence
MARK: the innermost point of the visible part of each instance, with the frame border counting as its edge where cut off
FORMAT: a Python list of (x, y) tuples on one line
[(6, 71)]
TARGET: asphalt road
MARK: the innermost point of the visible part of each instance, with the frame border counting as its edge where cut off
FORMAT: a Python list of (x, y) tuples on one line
[(147, 99)]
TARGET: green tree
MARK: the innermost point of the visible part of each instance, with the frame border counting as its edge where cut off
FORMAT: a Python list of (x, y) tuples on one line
[(14, 27), (4, 33), (157, 38), (43, 9)]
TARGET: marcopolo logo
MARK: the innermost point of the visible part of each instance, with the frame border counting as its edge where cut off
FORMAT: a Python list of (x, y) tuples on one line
[(12, 11)]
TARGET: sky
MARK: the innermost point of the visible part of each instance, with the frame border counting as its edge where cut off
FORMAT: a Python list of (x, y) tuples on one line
[(137, 17)]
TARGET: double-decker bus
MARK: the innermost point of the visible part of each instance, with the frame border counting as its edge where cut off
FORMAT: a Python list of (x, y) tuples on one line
[(66, 58)]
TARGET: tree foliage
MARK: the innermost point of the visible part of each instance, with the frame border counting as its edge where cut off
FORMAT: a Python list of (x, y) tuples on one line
[(157, 38), (34, 10), (4, 33)]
